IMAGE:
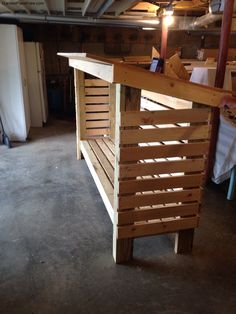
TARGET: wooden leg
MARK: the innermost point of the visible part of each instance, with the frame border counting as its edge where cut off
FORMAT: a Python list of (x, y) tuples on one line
[(122, 249), (184, 241)]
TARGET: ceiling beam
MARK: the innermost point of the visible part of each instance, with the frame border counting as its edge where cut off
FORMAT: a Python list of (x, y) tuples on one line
[(106, 4), (64, 5), (24, 7), (125, 5), (6, 7), (47, 7), (86, 6)]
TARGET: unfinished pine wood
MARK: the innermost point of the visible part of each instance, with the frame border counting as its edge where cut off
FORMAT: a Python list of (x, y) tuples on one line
[(130, 118), (104, 161), (160, 227), (98, 124), (112, 103), (182, 181), (161, 167), (95, 83), (97, 99), (133, 201), (89, 91), (151, 213), (102, 182), (97, 116), (96, 108), (126, 99), (164, 134), (163, 151), (97, 132)]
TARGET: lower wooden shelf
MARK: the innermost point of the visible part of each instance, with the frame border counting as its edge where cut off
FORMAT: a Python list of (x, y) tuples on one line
[(100, 166)]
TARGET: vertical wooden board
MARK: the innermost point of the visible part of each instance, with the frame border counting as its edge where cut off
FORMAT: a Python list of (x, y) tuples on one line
[(77, 112), (81, 101), (112, 103)]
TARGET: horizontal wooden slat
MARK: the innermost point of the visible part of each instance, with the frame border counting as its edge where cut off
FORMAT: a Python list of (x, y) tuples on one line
[(106, 150), (132, 201), (146, 229), (95, 82), (164, 134), (97, 124), (183, 181), (97, 116), (163, 151), (131, 216), (96, 132), (151, 168), (96, 99), (130, 118), (96, 108), (104, 162), (96, 91)]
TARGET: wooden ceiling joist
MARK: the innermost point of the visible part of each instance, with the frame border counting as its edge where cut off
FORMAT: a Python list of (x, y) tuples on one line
[(106, 4), (4, 6), (47, 7), (124, 5), (85, 6)]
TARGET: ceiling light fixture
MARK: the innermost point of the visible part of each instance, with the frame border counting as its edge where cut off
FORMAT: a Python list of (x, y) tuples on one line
[(148, 28)]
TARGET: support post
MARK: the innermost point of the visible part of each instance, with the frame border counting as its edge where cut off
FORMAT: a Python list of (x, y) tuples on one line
[(127, 99), (219, 80), (184, 241), (164, 36), (79, 109)]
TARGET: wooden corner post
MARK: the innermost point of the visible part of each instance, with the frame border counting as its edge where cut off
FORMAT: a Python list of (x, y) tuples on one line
[(127, 99), (79, 108)]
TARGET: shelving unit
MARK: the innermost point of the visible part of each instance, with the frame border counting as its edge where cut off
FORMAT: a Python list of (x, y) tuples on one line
[(148, 165)]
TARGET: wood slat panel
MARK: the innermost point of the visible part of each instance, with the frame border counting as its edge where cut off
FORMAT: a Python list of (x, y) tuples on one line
[(152, 168), (97, 99), (96, 91), (164, 134), (132, 201), (98, 124), (97, 116), (96, 132), (105, 163), (130, 118), (183, 181), (96, 82), (131, 216), (145, 229), (163, 151), (96, 108)]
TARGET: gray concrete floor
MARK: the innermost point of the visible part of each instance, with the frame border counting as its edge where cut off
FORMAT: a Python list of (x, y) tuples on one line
[(56, 243)]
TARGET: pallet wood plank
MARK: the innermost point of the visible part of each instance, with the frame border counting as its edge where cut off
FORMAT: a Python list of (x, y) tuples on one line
[(97, 116), (95, 83), (96, 108), (164, 134), (161, 167), (98, 124), (145, 229), (97, 99), (91, 91), (163, 151), (130, 118), (182, 181), (97, 132), (150, 213), (133, 201)]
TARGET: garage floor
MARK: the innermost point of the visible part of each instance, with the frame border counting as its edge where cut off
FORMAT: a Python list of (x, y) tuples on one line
[(56, 243)]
